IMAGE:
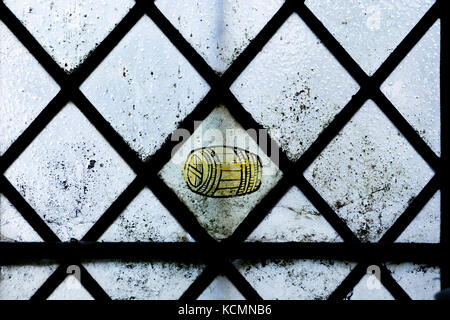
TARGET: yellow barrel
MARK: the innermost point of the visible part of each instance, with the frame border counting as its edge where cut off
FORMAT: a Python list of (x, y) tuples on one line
[(222, 171)]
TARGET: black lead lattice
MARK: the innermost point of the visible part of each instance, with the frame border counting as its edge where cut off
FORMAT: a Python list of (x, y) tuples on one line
[(219, 255)]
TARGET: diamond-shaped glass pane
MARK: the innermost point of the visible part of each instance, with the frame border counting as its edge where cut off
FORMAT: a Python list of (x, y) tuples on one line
[(69, 174), (294, 87), (221, 215), (150, 88), (219, 29), (69, 30), (369, 173)]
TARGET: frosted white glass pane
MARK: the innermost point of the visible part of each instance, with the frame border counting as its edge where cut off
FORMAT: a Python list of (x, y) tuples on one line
[(70, 174), (369, 288), (369, 173), (70, 289)]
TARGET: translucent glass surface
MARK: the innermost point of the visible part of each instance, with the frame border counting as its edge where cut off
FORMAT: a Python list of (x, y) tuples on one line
[(20, 282), (221, 289), (295, 279), (294, 218), (70, 289), (144, 281), (369, 173), (369, 288), (150, 88), (426, 226), (294, 87), (219, 29), (70, 29), (13, 226), (414, 88), (70, 174), (421, 282), (146, 219), (25, 88), (369, 30)]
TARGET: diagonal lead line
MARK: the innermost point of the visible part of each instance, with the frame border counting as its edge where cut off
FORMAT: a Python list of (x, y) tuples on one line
[(33, 130), (200, 284), (181, 44), (392, 285), (406, 45), (107, 131), (29, 214), (114, 210), (86, 279), (410, 134), (239, 281), (83, 71), (69, 89), (324, 208), (32, 45), (372, 86), (68, 83), (412, 211), (389, 237), (358, 273), (294, 176), (333, 46), (348, 112), (332, 130), (258, 43)]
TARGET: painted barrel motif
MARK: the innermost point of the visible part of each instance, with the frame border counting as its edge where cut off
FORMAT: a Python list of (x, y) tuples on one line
[(222, 171)]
